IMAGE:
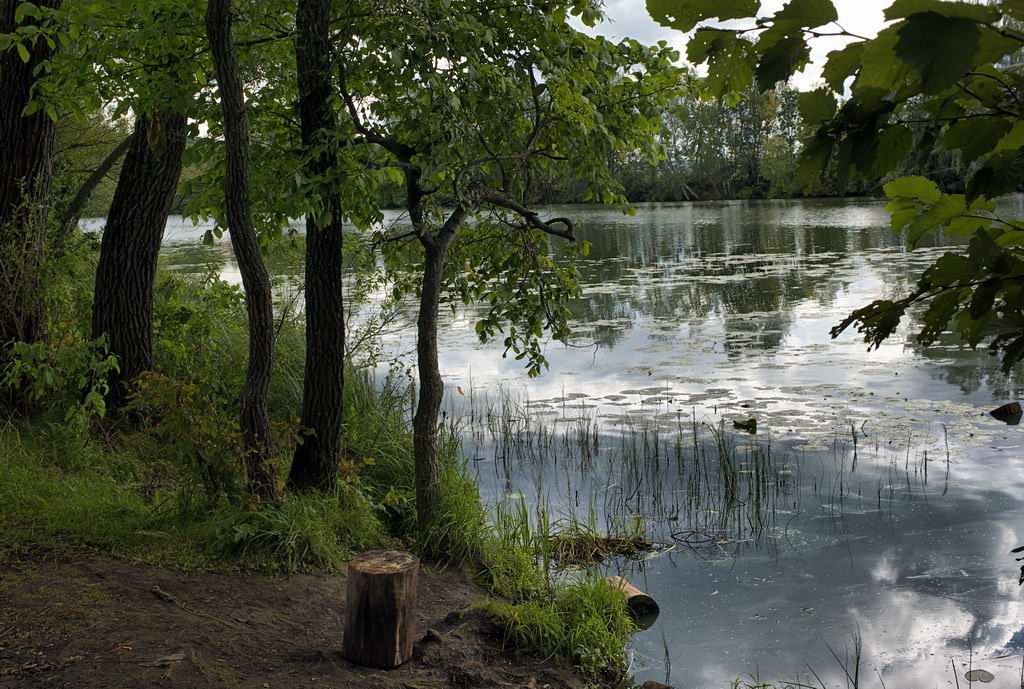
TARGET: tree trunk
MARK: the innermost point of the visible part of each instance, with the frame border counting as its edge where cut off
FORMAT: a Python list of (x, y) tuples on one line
[(123, 305), (431, 392), (255, 417), (74, 210), (26, 169), (315, 465)]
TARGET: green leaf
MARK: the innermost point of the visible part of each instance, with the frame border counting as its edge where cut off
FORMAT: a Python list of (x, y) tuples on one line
[(817, 106), (967, 225), (794, 18), (893, 145), (916, 187), (901, 212), (935, 216), (1013, 140), (23, 52), (994, 47), (879, 73), (985, 84), (30, 108), (5, 41), (975, 137), (685, 14), (984, 251), (984, 298), (941, 309), (901, 9), (814, 158), (25, 9), (730, 60), (939, 48), (808, 13), (841, 65), (950, 269), (1011, 238), (1001, 174), (782, 60)]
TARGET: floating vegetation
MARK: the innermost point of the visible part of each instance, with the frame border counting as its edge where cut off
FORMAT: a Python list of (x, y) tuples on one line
[(579, 545)]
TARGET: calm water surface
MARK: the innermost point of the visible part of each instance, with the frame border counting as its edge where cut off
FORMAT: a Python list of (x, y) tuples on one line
[(695, 316)]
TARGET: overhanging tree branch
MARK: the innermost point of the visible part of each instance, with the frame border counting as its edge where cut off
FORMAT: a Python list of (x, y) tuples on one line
[(567, 230)]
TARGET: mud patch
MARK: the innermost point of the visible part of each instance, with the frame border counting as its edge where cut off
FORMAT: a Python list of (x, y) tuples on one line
[(92, 621)]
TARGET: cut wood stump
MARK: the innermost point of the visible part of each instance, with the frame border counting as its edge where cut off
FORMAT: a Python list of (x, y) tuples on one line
[(643, 608), (380, 608)]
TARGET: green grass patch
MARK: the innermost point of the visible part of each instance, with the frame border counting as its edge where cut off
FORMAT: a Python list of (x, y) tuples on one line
[(91, 502), (585, 622)]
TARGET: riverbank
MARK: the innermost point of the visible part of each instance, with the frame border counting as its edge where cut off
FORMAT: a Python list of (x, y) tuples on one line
[(85, 620), (160, 485)]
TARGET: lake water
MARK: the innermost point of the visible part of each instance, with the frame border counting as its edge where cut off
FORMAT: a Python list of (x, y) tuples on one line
[(877, 499)]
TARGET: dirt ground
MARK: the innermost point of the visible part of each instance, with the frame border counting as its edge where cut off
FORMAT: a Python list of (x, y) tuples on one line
[(83, 621)]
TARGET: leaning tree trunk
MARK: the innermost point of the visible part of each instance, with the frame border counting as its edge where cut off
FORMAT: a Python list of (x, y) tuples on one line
[(315, 464), (123, 305), (255, 416), (72, 214), (26, 169), (431, 392)]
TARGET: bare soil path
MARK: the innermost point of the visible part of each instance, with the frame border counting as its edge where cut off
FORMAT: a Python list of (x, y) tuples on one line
[(81, 620)]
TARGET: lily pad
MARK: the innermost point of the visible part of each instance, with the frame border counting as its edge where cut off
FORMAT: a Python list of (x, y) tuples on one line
[(980, 676)]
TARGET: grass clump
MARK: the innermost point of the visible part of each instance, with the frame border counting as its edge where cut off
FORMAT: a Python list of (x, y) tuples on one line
[(585, 621), (304, 531)]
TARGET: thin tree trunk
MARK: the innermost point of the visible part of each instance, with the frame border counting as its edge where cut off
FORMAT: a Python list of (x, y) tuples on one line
[(26, 169), (315, 464), (431, 392), (123, 304), (255, 416), (74, 210)]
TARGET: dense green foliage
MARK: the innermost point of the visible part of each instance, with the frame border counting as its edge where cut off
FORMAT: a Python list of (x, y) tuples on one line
[(941, 77)]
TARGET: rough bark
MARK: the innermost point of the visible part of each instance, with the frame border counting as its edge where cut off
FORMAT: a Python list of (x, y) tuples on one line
[(315, 464), (380, 608), (26, 169), (255, 415), (123, 304), (431, 390)]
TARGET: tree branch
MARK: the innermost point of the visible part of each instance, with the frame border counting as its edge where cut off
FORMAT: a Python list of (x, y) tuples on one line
[(495, 198)]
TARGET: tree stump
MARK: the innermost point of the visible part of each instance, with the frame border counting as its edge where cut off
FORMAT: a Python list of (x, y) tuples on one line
[(380, 608)]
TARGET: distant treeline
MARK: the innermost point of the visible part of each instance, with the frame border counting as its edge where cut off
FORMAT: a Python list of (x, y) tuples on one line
[(749, 149)]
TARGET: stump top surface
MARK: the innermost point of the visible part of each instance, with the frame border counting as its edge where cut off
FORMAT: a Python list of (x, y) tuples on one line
[(384, 562)]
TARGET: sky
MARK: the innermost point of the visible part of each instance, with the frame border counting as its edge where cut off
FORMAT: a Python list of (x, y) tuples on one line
[(629, 18)]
